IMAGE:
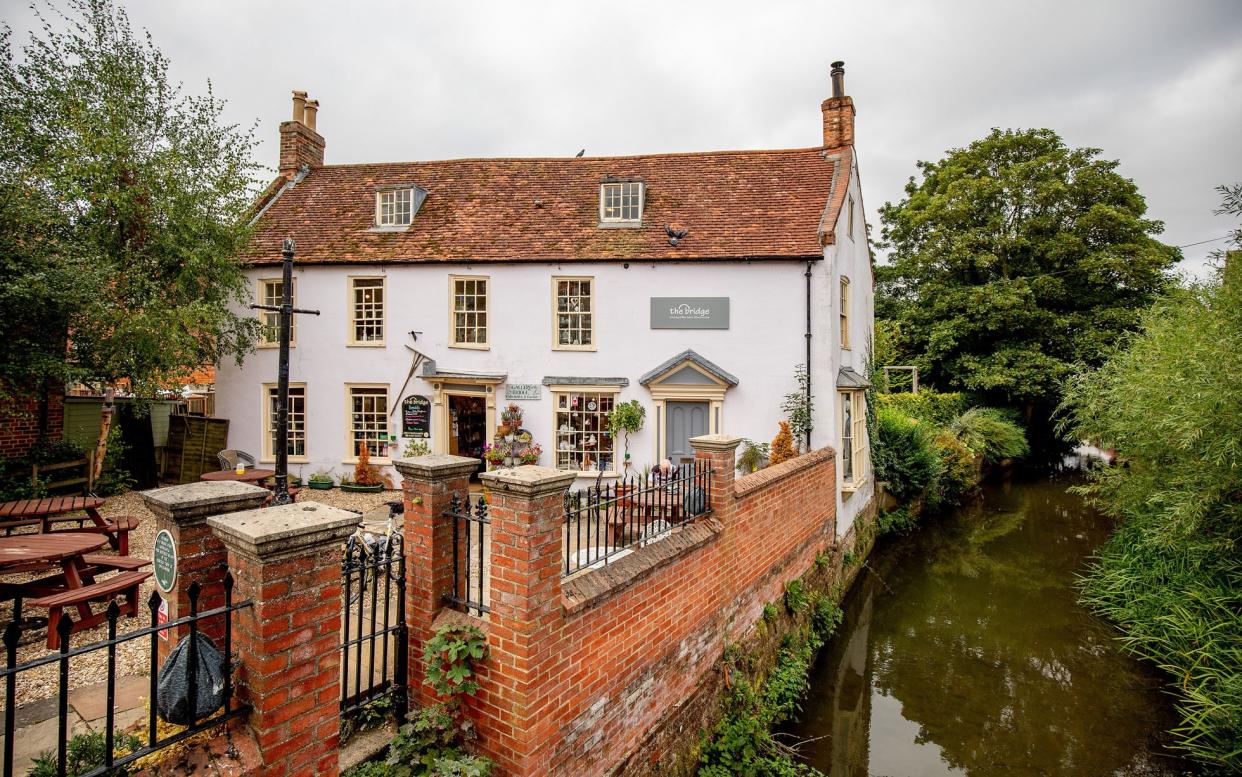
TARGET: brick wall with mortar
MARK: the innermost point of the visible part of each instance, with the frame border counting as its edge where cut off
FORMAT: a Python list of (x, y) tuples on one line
[(19, 423), (287, 559), (183, 511), (583, 669)]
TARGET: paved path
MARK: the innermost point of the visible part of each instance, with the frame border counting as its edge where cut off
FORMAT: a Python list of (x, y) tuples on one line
[(37, 726)]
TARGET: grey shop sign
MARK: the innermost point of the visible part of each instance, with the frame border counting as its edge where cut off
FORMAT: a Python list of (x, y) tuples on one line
[(689, 312)]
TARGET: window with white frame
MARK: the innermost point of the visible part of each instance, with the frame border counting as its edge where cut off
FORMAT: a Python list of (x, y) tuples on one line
[(270, 291), (621, 202), (574, 313), (394, 207), (468, 328), (582, 438), (845, 312), (368, 420), (853, 438), (297, 421), (367, 311)]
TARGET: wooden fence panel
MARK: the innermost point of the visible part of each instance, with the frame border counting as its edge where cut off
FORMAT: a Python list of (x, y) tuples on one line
[(193, 442)]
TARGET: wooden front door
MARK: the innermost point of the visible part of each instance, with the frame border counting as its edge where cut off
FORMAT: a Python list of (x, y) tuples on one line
[(685, 420)]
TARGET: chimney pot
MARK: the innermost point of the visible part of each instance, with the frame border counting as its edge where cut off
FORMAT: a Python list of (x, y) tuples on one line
[(312, 113), (299, 107), (838, 78)]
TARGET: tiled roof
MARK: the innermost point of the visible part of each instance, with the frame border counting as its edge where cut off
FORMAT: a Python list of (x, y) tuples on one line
[(756, 204)]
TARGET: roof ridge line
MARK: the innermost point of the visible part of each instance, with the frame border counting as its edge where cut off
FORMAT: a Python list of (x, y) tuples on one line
[(665, 154)]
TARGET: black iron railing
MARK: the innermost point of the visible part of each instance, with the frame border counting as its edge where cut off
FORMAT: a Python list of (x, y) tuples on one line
[(471, 534), (607, 520), (374, 632), (66, 653)]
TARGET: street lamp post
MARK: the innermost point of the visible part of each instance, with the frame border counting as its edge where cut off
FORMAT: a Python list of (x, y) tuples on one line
[(286, 311)]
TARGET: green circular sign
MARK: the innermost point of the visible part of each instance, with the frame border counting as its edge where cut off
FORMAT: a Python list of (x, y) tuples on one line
[(165, 561)]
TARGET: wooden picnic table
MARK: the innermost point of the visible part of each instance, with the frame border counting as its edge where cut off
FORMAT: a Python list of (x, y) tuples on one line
[(252, 475), (75, 586), (52, 510)]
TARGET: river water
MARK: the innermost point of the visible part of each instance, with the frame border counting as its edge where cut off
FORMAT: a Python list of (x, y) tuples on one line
[(964, 652)]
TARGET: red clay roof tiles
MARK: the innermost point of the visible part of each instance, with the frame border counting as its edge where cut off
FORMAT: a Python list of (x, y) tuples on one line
[(760, 204)]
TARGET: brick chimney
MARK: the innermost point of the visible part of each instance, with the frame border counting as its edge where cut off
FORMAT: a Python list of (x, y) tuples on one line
[(300, 144), (838, 112)]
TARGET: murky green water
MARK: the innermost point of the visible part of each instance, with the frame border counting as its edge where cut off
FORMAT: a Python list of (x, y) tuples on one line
[(964, 652)]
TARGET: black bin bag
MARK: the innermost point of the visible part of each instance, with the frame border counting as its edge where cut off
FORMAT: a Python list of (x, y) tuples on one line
[(174, 682)]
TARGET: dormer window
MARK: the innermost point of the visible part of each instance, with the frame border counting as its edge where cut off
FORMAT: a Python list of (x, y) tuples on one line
[(621, 202), (396, 207)]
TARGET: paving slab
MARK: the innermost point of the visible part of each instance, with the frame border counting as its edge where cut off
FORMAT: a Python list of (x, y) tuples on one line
[(91, 701)]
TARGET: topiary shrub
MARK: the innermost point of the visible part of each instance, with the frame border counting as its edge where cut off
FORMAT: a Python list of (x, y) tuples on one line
[(782, 446), (904, 455)]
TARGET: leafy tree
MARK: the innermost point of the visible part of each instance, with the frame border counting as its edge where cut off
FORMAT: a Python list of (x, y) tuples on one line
[(122, 205), (1013, 260)]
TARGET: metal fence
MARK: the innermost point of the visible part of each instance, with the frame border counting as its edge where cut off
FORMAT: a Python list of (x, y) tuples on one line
[(605, 521), (66, 653), (374, 634), (471, 535)]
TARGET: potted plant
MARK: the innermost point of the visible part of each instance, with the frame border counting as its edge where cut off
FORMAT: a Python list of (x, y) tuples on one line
[(416, 448), (320, 481), (511, 417), (530, 453), (626, 417), (366, 477), (495, 453)]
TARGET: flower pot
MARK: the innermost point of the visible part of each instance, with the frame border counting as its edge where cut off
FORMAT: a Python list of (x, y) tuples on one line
[(320, 485), (508, 461), (354, 488)]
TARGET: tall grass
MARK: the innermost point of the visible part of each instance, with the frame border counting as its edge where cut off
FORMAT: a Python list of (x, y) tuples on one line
[(1170, 402)]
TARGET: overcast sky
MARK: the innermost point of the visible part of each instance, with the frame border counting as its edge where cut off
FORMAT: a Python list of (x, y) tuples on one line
[(1157, 85)]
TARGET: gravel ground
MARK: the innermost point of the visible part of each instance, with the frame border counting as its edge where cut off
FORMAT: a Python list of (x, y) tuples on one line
[(133, 657)]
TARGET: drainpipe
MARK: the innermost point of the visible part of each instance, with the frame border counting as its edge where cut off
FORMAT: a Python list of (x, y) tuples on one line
[(811, 407)]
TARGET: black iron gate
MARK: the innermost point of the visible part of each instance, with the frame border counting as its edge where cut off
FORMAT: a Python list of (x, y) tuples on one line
[(374, 637)]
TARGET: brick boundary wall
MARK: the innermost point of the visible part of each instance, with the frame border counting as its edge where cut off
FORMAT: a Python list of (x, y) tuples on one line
[(585, 672), (19, 423)]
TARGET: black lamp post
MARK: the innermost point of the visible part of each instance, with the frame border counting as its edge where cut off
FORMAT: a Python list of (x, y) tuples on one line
[(286, 311)]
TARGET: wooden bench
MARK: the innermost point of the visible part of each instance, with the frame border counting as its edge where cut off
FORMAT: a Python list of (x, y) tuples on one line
[(126, 583), (116, 527), (127, 563)]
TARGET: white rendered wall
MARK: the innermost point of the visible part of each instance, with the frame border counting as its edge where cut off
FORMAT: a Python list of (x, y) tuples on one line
[(764, 342)]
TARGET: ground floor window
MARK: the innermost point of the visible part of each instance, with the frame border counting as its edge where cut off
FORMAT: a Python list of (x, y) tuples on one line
[(853, 438), (368, 420), (582, 438), (297, 421)]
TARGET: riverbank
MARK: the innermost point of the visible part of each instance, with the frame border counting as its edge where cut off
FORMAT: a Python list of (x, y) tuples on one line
[(964, 650)]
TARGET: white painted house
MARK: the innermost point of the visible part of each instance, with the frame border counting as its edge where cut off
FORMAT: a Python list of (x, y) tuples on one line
[(693, 283)]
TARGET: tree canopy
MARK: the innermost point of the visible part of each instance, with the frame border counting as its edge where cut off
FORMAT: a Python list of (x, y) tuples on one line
[(1013, 260), (122, 204)]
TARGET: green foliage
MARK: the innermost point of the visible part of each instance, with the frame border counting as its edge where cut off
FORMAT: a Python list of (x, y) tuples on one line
[(114, 479), (431, 744), (123, 204), (753, 456), (848, 558), (450, 656), (84, 753), (416, 447), (626, 417), (933, 407), (797, 407), (1014, 259), (1169, 401), (795, 596), (769, 612), (958, 474), (371, 715), (990, 433), (904, 455), (826, 615), (899, 521)]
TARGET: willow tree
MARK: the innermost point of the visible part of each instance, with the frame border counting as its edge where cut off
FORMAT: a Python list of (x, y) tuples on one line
[(122, 204), (1012, 261)]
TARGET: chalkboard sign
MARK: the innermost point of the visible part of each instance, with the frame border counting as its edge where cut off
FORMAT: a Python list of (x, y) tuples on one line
[(416, 417)]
